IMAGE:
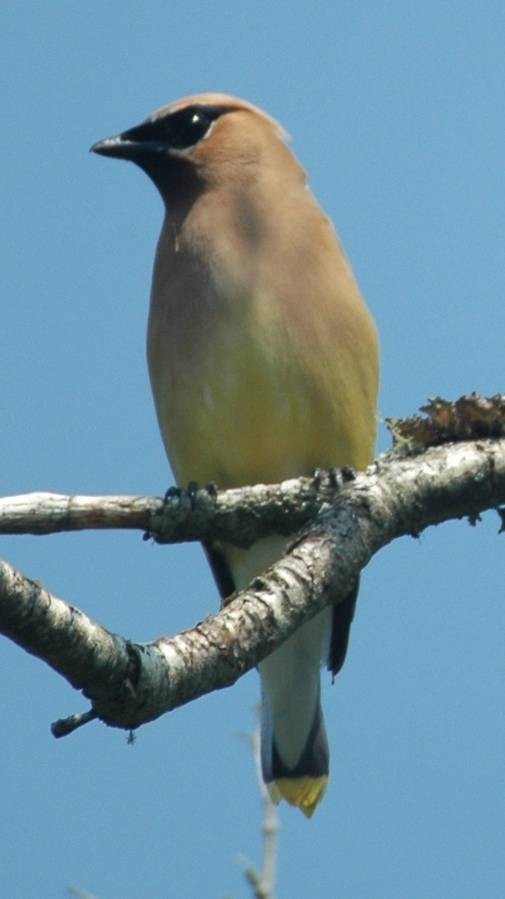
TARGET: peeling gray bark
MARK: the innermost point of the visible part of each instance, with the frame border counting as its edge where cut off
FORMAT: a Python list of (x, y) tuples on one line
[(128, 683)]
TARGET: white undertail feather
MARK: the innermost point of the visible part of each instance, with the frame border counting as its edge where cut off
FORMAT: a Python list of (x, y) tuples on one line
[(290, 676)]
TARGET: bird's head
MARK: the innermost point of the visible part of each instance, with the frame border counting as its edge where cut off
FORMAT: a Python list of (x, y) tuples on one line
[(201, 141)]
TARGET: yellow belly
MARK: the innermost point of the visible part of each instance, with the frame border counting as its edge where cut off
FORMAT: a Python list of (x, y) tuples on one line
[(257, 413)]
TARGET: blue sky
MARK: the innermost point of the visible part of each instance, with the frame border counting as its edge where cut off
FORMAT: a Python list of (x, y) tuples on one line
[(397, 112)]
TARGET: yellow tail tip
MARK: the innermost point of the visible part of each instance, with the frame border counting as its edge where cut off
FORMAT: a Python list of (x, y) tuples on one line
[(303, 792)]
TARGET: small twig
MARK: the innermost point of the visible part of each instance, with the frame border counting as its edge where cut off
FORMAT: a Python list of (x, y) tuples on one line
[(80, 894), (501, 513), (65, 726), (263, 883)]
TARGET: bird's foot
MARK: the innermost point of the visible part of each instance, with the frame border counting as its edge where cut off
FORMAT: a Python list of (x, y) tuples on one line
[(190, 492), (185, 497), (334, 478)]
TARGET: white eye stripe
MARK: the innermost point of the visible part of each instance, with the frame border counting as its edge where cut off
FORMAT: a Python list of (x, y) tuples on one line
[(210, 129)]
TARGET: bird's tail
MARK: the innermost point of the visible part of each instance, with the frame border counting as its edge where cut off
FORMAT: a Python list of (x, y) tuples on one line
[(294, 747)]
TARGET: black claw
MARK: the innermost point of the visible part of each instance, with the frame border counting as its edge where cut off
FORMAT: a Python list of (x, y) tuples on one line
[(173, 493), (192, 490), (335, 477), (190, 493)]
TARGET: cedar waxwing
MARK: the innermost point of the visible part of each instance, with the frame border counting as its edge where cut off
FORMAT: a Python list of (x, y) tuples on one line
[(263, 362)]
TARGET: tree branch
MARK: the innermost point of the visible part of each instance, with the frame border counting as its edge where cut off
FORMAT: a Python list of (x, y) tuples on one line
[(262, 882), (129, 683), (241, 515)]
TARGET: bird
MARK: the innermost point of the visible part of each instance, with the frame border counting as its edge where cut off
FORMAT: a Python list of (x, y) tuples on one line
[(264, 365)]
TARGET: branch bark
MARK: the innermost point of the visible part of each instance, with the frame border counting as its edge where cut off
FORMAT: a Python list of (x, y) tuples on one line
[(238, 516), (130, 683)]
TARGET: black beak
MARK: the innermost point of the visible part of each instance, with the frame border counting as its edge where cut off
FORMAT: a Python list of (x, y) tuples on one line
[(111, 146), (136, 144), (149, 145)]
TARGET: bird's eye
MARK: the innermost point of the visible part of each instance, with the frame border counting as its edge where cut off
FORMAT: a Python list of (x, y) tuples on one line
[(188, 126), (178, 131)]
